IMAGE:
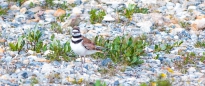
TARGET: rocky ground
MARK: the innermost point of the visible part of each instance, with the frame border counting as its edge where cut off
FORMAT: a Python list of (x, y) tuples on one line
[(167, 21)]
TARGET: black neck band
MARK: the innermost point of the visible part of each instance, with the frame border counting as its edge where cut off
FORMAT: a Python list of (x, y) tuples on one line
[(77, 41), (76, 36)]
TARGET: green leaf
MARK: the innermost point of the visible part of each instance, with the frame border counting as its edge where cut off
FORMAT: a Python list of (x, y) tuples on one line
[(135, 59), (129, 42), (52, 37), (97, 83), (19, 42), (12, 46)]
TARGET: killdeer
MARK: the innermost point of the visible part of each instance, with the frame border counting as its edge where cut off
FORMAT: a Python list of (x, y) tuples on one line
[(81, 45)]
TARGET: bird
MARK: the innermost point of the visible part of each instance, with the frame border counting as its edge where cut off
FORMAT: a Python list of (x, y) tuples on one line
[(82, 46)]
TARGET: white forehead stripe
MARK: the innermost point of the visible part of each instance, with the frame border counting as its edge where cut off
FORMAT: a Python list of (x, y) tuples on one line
[(75, 31), (76, 34)]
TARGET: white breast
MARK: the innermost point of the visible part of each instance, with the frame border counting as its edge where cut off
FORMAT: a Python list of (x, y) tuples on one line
[(79, 49)]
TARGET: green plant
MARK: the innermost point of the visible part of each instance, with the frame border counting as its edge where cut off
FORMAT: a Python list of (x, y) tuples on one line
[(187, 58), (64, 5), (96, 16), (99, 83), (123, 50), (200, 44), (166, 47), (17, 46), (61, 18), (164, 83), (159, 82), (184, 24), (20, 2), (33, 38), (49, 3), (31, 4), (72, 5), (143, 84), (60, 51), (202, 59), (131, 9), (3, 11), (77, 81), (34, 81), (56, 27)]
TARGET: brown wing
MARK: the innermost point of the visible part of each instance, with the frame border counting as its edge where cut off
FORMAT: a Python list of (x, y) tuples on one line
[(88, 44)]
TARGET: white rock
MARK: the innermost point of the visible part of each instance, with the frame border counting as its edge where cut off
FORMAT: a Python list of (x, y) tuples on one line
[(112, 2), (192, 8), (4, 77), (70, 1), (149, 1), (184, 78), (198, 24), (49, 18), (48, 52), (26, 61), (191, 70), (35, 9), (198, 74), (23, 10), (176, 37), (14, 7), (47, 68), (170, 5), (176, 30), (108, 17), (77, 10), (109, 10), (31, 52), (145, 26)]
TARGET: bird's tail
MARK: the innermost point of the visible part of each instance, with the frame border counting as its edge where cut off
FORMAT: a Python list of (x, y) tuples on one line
[(99, 48)]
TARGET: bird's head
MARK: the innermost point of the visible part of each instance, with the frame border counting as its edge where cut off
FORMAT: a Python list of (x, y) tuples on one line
[(76, 31)]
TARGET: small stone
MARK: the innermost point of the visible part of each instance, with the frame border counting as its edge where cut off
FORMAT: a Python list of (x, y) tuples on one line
[(25, 75), (14, 7), (145, 26), (200, 16), (35, 9), (198, 24), (31, 52), (116, 83), (49, 12), (1, 50), (2, 40), (26, 61), (76, 10), (192, 8), (41, 60), (108, 18), (23, 10), (105, 34), (48, 52), (59, 13), (106, 61), (191, 70)]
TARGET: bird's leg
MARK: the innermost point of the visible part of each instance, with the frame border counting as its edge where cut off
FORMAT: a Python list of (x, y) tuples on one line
[(81, 63)]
